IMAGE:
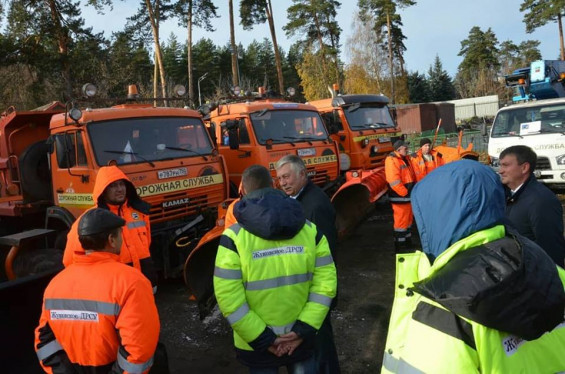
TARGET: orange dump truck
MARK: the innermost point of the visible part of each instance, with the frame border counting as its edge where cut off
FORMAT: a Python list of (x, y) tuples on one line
[(365, 131), (261, 131), (49, 159)]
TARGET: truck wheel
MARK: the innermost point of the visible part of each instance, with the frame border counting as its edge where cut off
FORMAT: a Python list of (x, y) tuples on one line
[(36, 261), (34, 171)]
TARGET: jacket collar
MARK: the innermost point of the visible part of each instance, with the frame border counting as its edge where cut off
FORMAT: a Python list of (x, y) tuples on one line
[(95, 257), (513, 198)]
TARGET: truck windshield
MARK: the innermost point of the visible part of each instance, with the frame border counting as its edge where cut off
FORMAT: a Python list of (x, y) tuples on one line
[(530, 121), (368, 116), (139, 140), (288, 126)]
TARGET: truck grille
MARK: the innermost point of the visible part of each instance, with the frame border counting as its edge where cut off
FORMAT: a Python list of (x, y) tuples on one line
[(543, 164), (318, 176), (178, 209)]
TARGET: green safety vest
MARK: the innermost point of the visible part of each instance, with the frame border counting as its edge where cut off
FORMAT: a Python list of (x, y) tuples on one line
[(437, 347), (274, 283)]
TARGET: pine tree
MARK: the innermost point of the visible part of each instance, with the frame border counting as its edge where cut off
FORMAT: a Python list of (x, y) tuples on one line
[(440, 84)]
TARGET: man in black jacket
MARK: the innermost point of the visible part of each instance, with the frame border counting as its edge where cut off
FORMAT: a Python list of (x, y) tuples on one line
[(294, 181), (533, 209)]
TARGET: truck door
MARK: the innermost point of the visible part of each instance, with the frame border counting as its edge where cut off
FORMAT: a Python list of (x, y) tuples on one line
[(73, 175)]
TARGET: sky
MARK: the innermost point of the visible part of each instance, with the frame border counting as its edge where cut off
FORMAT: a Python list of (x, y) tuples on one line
[(431, 27)]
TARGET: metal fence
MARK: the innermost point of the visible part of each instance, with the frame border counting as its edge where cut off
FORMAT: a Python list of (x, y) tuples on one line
[(484, 106)]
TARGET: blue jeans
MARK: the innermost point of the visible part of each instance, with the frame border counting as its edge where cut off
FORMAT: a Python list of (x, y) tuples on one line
[(307, 366)]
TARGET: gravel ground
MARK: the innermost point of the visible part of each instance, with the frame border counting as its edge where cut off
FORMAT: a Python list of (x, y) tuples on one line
[(366, 281)]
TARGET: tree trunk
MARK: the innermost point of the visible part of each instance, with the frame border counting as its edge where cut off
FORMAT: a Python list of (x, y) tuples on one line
[(322, 48), (334, 44), (234, 55), (561, 48), (155, 79), (155, 66), (189, 55), (158, 52), (390, 60), (63, 45), (278, 62)]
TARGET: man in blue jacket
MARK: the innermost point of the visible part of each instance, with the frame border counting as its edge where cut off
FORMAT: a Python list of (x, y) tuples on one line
[(532, 208)]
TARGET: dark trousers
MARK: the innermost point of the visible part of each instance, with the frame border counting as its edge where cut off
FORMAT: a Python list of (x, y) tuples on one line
[(325, 352)]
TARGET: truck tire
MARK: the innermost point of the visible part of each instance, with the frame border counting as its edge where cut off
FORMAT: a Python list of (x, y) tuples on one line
[(36, 261), (34, 171)]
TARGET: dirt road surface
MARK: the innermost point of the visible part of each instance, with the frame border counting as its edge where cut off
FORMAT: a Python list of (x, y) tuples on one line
[(366, 280)]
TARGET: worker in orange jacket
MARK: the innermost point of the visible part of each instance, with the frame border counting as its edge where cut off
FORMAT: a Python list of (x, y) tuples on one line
[(426, 159), (114, 192), (99, 315), (400, 178)]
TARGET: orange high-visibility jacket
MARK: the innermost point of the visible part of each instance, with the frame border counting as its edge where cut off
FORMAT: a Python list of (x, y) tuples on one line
[(136, 233), (400, 177), (422, 167), (100, 313), (230, 217)]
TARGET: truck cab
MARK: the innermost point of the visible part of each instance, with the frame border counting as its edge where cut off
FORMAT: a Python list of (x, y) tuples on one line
[(166, 152), (539, 125), (264, 130), (535, 119), (363, 127)]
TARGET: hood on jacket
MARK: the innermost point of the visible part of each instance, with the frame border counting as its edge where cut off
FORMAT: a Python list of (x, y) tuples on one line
[(108, 175), (270, 214), (509, 284), (454, 201)]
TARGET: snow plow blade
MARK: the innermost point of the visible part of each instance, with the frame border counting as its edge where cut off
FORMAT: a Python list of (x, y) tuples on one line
[(356, 197), (199, 270), (451, 154)]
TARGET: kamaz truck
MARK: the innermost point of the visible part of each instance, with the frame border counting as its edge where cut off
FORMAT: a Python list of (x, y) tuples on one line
[(365, 131), (535, 119), (260, 129), (49, 160)]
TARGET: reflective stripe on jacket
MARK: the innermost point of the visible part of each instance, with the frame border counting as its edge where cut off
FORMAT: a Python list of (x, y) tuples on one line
[(98, 313), (273, 283), (422, 167), (400, 177), (424, 337)]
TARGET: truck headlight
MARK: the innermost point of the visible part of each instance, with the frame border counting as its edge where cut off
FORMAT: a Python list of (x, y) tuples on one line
[(344, 161), (560, 160), (494, 162), (364, 142)]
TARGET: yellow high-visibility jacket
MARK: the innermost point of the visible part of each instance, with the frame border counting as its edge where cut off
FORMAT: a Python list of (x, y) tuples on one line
[(268, 287), (427, 337)]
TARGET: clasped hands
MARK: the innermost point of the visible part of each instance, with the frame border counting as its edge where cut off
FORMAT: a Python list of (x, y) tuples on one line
[(285, 344)]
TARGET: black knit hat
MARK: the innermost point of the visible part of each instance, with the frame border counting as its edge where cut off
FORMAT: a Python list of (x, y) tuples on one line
[(425, 141), (97, 221)]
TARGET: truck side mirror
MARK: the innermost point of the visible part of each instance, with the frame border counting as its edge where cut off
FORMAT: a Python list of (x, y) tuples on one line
[(50, 143), (233, 137), (212, 131), (332, 120)]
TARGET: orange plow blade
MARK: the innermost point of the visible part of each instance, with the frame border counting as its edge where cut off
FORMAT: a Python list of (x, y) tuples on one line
[(199, 270), (356, 197)]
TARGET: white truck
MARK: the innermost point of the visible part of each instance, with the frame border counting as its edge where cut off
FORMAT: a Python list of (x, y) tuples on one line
[(537, 120)]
